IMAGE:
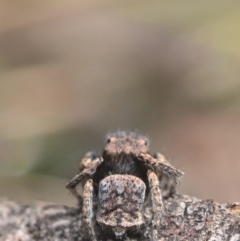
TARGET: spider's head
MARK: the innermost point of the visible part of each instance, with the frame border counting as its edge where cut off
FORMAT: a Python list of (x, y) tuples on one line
[(126, 142)]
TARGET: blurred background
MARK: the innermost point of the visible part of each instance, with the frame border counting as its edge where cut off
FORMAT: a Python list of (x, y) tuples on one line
[(72, 71)]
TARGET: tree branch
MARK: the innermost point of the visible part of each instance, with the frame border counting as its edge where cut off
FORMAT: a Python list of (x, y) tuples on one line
[(184, 218)]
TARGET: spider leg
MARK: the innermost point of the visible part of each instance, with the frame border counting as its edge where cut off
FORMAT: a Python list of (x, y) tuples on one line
[(168, 187), (89, 157), (89, 168), (161, 165), (157, 204), (88, 208)]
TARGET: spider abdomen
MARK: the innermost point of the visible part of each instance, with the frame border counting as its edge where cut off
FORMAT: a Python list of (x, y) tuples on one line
[(120, 202)]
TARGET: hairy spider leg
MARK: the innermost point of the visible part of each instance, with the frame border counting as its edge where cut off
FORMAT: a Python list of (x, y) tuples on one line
[(173, 185), (89, 169), (88, 208), (88, 157), (157, 204), (162, 165)]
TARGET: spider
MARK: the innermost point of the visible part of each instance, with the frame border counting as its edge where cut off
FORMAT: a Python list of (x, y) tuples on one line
[(122, 179)]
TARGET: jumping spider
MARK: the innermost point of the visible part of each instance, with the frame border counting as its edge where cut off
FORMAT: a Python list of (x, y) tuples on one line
[(122, 179)]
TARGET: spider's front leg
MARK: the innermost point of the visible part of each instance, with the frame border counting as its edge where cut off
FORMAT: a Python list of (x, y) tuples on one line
[(88, 157), (161, 165), (157, 205), (88, 208), (168, 184), (89, 167)]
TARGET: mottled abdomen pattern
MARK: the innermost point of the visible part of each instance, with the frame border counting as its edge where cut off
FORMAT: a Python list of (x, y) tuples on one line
[(120, 202)]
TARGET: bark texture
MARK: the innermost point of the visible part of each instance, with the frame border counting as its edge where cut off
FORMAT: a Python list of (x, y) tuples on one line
[(184, 218)]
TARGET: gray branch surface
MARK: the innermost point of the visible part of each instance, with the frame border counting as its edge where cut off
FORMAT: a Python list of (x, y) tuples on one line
[(184, 218)]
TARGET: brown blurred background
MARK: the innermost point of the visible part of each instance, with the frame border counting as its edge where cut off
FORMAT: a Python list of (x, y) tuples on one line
[(71, 71)]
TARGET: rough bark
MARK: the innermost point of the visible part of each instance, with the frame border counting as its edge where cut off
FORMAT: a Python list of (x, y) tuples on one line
[(184, 218)]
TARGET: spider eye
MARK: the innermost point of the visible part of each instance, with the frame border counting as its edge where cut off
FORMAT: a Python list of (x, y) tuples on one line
[(111, 139)]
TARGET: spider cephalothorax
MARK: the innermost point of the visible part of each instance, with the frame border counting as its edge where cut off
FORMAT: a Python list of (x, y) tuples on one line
[(121, 179)]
